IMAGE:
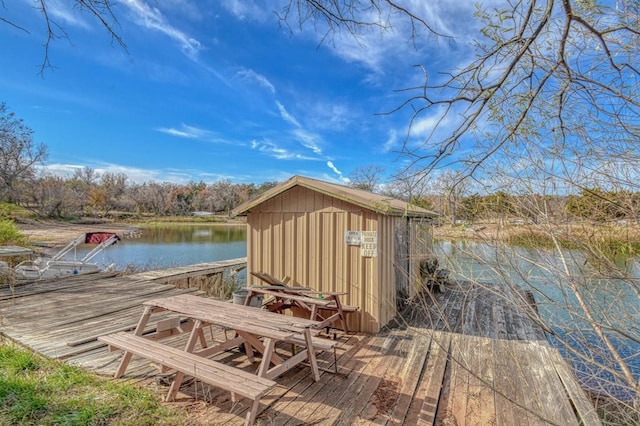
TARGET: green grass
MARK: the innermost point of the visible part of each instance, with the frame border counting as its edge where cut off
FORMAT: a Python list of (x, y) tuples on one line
[(603, 241), (38, 391)]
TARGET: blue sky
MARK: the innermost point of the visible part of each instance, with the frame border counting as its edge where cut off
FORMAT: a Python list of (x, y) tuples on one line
[(211, 90)]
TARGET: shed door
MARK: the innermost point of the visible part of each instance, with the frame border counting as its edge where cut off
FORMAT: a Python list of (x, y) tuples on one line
[(420, 237)]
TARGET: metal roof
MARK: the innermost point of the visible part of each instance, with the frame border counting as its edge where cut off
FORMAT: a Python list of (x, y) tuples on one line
[(382, 204)]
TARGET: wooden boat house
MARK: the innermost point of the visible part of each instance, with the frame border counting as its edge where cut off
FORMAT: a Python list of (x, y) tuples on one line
[(334, 238)]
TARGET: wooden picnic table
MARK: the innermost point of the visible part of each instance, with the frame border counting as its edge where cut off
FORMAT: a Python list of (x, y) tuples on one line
[(255, 328), (249, 323)]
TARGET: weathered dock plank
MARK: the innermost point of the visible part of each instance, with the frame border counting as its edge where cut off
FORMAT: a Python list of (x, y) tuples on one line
[(430, 388), (305, 397), (341, 391), (549, 392), (26, 289), (410, 377), (585, 411), (454, 395), (379, 385), (480, 391), (510, 389)]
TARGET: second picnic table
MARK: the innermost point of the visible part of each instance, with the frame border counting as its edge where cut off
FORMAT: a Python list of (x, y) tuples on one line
[(310, 301)]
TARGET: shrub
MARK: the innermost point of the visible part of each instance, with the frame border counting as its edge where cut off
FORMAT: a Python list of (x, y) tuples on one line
[(10, 234)]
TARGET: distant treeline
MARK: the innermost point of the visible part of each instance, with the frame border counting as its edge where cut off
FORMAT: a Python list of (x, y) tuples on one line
[(88, 193), (112, 194), (592, 204)]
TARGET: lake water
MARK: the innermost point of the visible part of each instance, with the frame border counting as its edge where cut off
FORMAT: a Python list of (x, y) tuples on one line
[(177, 245), (537, 270)]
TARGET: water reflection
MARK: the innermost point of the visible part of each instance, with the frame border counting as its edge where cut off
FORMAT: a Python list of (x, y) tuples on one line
[(174, 245), (198, 234)]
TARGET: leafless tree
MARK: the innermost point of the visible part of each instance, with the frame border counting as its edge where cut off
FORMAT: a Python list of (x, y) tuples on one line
[(453, 188), (83, 181), (414, 186), (227, 195), (367, 177), (113, 187), (51, 197), (354, 17), (19, 154), (559, 73), (581, 272)]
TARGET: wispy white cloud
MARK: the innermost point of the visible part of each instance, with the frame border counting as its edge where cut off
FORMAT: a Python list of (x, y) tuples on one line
[(330, 115), (392, 141), (286, 116), (341, 177), (308, 140), (192, 132), (261, 80), (399, 43), (334, 168), (134, 174), (434, 124), (271, 149), (57, 169), (66, 13), (185, 131), (249, 10), (371, 55), (153, 19), (424, 126), (175, 132), (185, 8)]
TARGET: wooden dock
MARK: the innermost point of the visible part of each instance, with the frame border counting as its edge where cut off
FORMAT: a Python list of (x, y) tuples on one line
[(206, 269), (464, 357)]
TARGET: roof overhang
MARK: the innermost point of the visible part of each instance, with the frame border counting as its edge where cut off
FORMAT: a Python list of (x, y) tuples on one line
[(367, 200)]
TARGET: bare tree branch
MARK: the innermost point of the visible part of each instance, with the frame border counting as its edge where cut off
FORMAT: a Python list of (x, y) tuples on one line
[(101, 10)]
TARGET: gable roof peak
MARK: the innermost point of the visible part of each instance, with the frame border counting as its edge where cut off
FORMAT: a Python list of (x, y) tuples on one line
[(376, 202)]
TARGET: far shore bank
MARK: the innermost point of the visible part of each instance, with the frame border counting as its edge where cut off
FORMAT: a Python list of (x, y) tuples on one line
[(60, 233), (606, 238)]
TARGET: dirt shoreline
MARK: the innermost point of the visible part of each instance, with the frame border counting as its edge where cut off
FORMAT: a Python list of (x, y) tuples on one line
[(53, 233), (56, 234)]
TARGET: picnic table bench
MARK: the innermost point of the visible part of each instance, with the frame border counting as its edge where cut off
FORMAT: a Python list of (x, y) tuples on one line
[(238, 382)]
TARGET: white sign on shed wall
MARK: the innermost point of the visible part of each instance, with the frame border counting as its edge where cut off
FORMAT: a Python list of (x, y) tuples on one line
[(369, 245), (367, 240), (352, 238)]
